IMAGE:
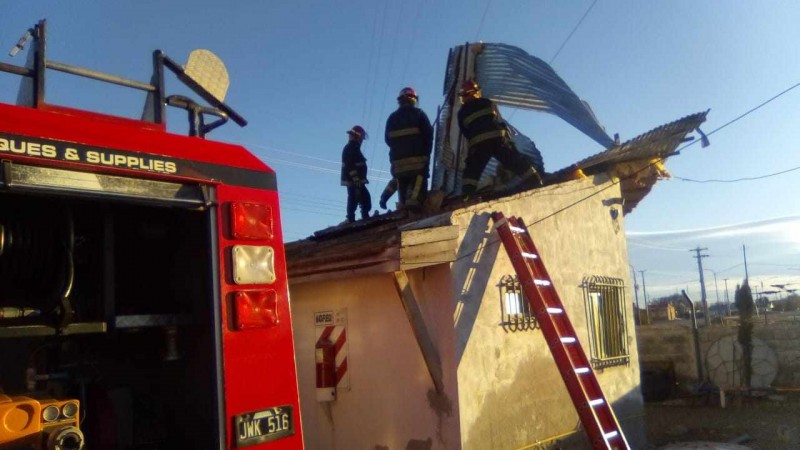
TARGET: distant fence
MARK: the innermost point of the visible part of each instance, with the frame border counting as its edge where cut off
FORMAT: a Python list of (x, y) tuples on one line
[(670, 343)]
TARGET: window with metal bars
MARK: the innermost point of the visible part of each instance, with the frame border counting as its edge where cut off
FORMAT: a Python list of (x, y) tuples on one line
[(606, 319), (515, 311)]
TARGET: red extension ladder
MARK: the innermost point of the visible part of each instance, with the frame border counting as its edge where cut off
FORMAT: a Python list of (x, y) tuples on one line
[(596, 414)]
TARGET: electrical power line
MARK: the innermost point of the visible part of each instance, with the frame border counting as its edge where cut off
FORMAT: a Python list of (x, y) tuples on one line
[(412, 42), (633, 175), (577, 25), (483, 18), (736, 180), (369, 66), (752, 110)]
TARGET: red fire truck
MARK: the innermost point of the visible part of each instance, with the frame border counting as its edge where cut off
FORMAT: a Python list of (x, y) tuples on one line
[(143, 293)]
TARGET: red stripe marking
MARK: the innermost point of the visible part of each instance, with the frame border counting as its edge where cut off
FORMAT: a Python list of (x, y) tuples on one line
[(341, 340), (326, 333), (341, 370)]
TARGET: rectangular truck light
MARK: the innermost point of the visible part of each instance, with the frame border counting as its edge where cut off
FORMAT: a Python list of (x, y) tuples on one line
[(253, 264), (251, 221), (255, 309)]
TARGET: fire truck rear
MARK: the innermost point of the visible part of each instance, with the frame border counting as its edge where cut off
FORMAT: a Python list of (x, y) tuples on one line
[(143, 294)]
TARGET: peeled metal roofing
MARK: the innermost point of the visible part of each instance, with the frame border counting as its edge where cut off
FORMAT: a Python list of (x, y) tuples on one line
[(510, 76), (657, 143)]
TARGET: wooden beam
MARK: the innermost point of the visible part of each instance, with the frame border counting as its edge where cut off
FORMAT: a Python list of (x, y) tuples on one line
[(428, 246), (378, 267), (427, 235), (429, 352)]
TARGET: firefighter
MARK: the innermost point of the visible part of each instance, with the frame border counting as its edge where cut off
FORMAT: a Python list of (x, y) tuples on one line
[(388, 192), (354, 174), (409, 135), (487, 136)]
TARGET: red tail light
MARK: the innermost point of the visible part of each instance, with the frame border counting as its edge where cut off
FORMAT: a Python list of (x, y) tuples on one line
[(251, 221), (255, 309)]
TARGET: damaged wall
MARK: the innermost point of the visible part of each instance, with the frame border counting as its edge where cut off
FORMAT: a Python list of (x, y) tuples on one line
[(510, 391)]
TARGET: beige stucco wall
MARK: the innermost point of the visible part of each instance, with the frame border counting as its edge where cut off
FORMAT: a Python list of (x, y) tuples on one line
[(510, 392), (502, 389), (391, 403)]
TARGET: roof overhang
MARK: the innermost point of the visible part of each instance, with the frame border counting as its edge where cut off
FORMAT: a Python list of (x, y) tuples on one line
[(383, 249), (637, 163)]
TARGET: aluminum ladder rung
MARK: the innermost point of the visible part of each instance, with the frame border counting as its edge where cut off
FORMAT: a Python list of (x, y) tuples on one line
[(595, 412), (517, 230)]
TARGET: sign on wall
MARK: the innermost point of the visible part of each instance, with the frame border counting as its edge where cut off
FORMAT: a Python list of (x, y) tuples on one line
[(331, 325)]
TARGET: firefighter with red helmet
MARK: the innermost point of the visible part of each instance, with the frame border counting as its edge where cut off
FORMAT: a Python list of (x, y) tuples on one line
[(354, 174), (409, 135), (487, 136)]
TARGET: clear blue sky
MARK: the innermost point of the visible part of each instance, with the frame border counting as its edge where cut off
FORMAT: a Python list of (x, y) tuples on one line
[(303, 72)]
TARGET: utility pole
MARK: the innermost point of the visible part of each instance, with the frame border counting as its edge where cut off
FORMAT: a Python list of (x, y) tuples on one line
[(716, 288), (636, 295), (744, 253), (702, 281), (644, 295), (727, 300)]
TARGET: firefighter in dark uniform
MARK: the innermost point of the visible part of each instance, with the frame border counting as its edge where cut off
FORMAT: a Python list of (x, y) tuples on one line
[(354, 174), (388, 192), (487, 136), (409, 135)]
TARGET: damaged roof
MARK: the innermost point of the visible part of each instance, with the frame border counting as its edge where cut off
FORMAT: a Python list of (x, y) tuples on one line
[(659, 143), (638, 163)]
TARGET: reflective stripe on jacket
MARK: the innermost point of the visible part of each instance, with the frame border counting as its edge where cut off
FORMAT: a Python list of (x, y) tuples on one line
[(480, 121), (354, 165), (408, 134)]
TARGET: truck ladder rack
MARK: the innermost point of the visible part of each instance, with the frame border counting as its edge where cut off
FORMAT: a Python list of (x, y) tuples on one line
[(596, 415)]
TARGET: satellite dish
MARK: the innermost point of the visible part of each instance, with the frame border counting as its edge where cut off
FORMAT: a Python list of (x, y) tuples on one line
[(208, 71), (204, 68)]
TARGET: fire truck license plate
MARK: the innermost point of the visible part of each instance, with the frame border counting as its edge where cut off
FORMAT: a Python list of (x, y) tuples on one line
[(264, 426)]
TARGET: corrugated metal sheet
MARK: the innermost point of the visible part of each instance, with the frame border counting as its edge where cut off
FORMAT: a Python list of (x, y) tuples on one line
[(512, 77), (509, 76), (631, 162), (656, 143)]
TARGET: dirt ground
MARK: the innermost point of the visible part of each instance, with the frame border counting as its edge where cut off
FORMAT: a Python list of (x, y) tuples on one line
[(771, 421)]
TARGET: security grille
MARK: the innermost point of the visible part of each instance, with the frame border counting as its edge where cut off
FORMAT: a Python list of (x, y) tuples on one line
[(515, 311), (607, 322)]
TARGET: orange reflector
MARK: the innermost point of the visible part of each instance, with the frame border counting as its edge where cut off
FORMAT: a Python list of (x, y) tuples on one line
[(251, 221), (256, 309)]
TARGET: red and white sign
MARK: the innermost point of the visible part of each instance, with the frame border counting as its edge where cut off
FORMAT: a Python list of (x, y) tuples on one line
[(332, 326)]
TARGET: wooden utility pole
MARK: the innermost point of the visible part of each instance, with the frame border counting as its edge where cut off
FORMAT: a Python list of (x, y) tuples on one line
[(727, 301), (702, 281), (636, 296), (744, 253), (644, 295)]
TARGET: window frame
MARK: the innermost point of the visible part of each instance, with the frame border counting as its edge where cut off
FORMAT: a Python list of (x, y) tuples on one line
[(606, 321), (521, 320)]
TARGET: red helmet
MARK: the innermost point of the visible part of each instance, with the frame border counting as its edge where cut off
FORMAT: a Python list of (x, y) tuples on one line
[(469, 88), (406, 93), (358, 132)]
